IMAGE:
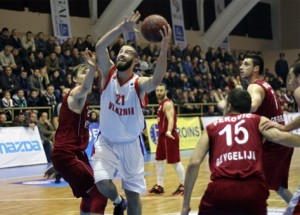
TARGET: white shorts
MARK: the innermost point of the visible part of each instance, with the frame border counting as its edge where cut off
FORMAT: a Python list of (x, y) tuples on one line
[(125, 158)]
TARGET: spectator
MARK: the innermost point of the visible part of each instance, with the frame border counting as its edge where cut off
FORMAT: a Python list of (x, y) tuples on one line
[(29, 62), (35, 82), (79, 44), (23, 82), (40, 43), (19, 98), (52, 63), (4, 38), (15, 40), (88, 44), (32, 123), (49, 98), (51, 43), (40, 61), (7, 102), (3, 120), (33, 99), (60, 58), (282, 68), (18, 61), (57, 80), (46, 127), (28, 44), (7, 58), (19, 120), (8, 81)]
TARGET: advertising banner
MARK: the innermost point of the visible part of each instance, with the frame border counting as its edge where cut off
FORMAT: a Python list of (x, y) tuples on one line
[(189, 130)]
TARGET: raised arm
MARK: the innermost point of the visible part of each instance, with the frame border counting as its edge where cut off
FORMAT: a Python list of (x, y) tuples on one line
[(147, 84), (193, 170), (101, 46)]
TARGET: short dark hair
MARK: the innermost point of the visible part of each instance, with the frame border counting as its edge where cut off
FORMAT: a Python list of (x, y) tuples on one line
[(135, 53), (240, 100), (257, 61)]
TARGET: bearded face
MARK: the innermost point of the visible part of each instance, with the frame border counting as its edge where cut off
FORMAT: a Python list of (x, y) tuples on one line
[(123, 63)]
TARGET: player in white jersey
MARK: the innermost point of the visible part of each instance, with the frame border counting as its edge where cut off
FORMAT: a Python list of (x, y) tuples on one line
[(121, 120)]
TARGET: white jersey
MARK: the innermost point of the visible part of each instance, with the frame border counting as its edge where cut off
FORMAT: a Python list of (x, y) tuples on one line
[(121, 115)]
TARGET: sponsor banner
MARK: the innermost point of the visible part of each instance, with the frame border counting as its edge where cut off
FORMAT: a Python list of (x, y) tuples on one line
[(219, 8), (189, 130), (60, 20), (21, 146), (178, 23)]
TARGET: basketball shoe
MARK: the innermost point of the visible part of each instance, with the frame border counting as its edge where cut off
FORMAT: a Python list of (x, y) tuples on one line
[(157, 189), (121, 207), (179, 191)]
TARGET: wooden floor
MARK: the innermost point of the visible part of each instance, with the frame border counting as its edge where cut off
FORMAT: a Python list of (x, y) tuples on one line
[(16, 199)]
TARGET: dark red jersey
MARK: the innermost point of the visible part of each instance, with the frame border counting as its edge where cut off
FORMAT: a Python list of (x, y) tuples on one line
[(235, 147), (72, 132), (162, 118), (270, 107)]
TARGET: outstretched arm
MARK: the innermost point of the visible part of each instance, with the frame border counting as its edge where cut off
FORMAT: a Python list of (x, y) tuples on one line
[(81, 91), (148, 84), (193, 170), (101, 46), (277, 136)]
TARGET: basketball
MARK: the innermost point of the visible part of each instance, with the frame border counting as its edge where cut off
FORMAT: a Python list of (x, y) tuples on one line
[(151, 26)]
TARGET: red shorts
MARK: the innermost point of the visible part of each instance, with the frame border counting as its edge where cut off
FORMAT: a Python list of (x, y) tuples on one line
[(75, 168), (235, 197), (276, 162), (168, 148)]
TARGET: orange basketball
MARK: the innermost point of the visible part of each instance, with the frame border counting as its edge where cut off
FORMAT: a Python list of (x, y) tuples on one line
[(151, 26)]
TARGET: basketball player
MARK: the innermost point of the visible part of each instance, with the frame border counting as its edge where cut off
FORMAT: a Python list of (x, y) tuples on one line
[(72, 138), (121, 118), (168, 142), (234, 144), (294, 84), (265, 103)]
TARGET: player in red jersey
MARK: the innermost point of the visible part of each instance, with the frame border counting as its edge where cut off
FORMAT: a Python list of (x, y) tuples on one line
[(265, 103), (294, 84), (234, 144), (72, 138), (168, 142)]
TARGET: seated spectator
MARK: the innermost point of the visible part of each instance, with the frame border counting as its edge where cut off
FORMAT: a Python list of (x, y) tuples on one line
[(19, 98), (94, 116), (18, 60), (212, 111), (33, 100), (3, 120), (23, 82), (7, 102), (40, 61), (57, 80), (19, 120), (32, 123), (61, 59), (8, 80), (16, 42), (79, 44), (36, 82), (51, 63), (28, 44), (29, 62), (7, 58), (69, 63), (45, 77), (40, 43), (49, 98), (4, 38)]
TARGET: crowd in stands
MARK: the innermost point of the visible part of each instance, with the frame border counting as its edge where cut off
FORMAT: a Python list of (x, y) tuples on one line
[(35, 70)]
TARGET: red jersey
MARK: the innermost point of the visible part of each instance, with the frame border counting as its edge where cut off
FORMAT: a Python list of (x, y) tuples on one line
[(72, 132), (162, 118), (270, 107), (235, 147)]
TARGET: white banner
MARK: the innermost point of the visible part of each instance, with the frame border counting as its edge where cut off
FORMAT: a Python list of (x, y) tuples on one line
[(20, 146), (60, 19), (219, 8), (178, 23)]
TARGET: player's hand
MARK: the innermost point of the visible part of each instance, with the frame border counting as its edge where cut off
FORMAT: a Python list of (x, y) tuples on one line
[(128, 23), (169, 134), (270, 124), (166, 35), (185, 210), (90, 58)]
